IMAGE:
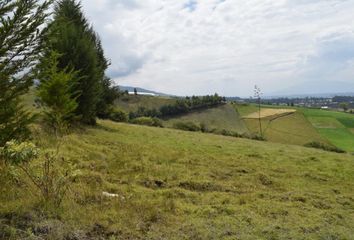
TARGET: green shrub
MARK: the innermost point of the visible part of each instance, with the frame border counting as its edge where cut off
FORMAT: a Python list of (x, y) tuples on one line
[(257, 137), (16, 153), (204, 128), (324, 147), (118, 116), (187, 126), (147, 121)]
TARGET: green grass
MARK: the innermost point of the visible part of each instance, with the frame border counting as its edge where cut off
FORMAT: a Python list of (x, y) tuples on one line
[(132, 102), (335, 126), (340, 137), (245, 109), (182, 185), (289, 129), (325, 122), (222, 117)]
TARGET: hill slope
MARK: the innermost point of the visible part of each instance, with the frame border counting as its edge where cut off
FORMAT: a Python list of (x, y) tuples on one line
[(181, 185), (221, 117), (132, 102), (292, 128)]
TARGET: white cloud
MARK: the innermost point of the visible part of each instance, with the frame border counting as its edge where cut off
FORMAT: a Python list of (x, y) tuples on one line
[(202, 46)]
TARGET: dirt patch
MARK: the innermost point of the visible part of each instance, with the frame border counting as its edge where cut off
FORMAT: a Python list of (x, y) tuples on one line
[(269, 112)]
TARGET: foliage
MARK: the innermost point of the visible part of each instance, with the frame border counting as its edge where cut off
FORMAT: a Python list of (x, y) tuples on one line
[(324, 147), (344, 105), (148, 121), (180, 106), (191, 103), (20, 36), (48, 176), (15, 153), (187, 126), (71, 35), (55, 94), (144, 112), (118, 115), (108, 96)]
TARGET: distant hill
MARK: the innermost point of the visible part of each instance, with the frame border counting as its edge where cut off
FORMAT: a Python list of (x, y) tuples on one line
[(142, 91)]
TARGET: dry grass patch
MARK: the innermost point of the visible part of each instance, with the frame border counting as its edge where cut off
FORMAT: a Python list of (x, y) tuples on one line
[(269, 112)]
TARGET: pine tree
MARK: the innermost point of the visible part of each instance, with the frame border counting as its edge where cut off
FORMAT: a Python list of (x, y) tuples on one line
[(20, 36), (55, 94), (80, 49)]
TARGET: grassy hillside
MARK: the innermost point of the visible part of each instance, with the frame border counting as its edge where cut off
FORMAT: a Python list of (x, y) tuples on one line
[(181, 185), (291, 128), (222, 117), (335, 126), (132, 102)]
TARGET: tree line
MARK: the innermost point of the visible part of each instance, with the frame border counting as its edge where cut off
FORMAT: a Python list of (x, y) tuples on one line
[(181, 106)]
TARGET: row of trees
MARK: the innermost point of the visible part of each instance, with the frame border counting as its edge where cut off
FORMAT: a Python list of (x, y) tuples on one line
[(181, 106), (65, 55)]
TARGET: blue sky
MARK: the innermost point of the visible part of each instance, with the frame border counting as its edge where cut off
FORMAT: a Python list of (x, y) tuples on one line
[(190, 47)]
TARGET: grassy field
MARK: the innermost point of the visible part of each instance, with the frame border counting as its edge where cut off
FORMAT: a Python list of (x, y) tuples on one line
[(292, 128), (132, 102), (222, 117), (335, 126), (181, 185)]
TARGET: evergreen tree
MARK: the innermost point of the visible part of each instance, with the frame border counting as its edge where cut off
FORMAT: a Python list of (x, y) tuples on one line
[(80, 49), (20, 36), (108, 96), (55, 94)]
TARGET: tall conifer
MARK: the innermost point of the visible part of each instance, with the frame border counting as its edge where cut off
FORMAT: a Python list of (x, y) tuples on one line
[(20, 36), (80, 48)]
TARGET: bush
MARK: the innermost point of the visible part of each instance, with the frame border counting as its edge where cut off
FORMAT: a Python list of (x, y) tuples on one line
[(147, 121), (325, 147), (257, 137), (187, 126), (118, 116), (204, 128)]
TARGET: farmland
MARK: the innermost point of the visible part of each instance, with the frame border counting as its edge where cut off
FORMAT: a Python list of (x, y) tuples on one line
[(270, 113), (334, 126), (303, 126)]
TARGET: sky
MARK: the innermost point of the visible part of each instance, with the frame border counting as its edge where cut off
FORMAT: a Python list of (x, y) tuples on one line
[(187, 47)]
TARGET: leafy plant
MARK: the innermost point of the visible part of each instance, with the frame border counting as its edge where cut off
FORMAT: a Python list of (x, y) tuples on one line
[(118, 115), (47, 176)]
